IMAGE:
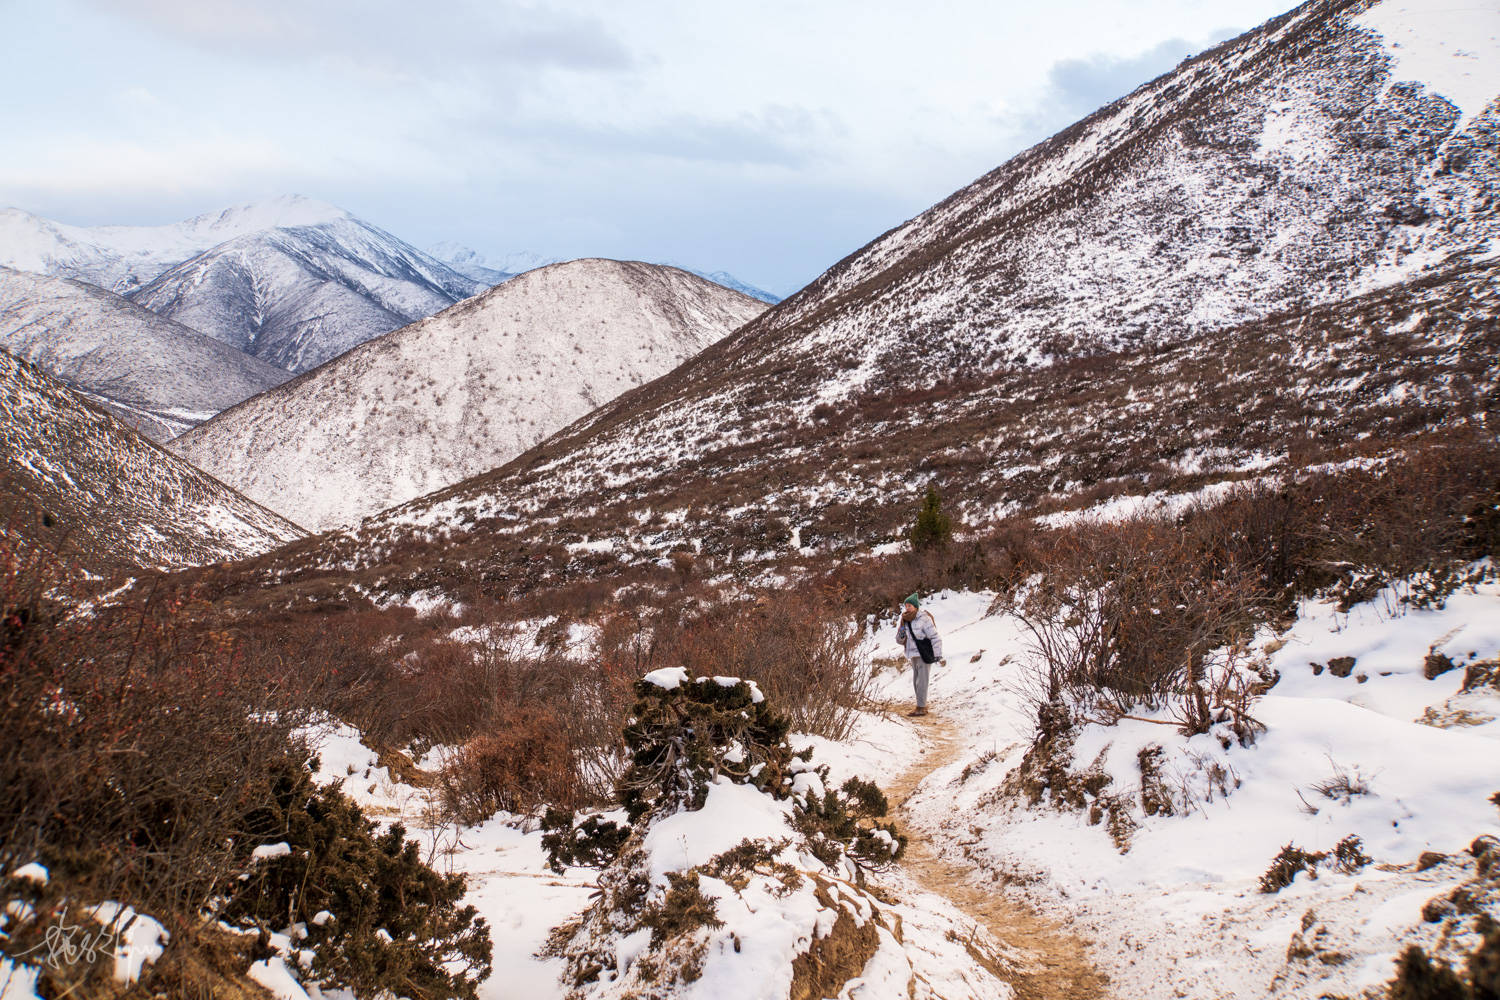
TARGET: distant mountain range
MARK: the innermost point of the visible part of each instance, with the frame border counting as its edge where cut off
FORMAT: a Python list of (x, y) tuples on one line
[(76, 480), (493, 271), (297, 296), (463, 391), (291, 281)]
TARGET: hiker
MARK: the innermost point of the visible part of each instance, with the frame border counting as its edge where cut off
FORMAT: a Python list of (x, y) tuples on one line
[(924, 647)]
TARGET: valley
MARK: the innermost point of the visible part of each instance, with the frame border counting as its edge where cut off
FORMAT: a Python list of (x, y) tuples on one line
[(446, 623)]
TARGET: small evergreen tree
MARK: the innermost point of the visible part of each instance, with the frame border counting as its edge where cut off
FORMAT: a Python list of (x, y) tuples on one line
[(933, 529)]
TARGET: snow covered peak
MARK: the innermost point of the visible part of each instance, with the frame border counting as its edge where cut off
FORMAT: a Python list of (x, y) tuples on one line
[(1451, 49), (283, 212)]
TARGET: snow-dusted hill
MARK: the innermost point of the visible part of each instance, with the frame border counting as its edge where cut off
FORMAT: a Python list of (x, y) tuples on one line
[(76, 478), (463, 391), (297, 296), (156, 375)]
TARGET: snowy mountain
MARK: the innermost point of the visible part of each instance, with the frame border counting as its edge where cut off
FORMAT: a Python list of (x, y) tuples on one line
[(472, 264), (463, 391), (730, 281), (1284, 240), (123, 258), (75, 477), (291, 281), (156, 375), (296, 296)]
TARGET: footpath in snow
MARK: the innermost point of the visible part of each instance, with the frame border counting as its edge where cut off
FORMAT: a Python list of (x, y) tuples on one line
[(1373, 748)]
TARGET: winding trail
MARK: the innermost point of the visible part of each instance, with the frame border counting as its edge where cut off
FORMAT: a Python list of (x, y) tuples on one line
[(1057, 965)]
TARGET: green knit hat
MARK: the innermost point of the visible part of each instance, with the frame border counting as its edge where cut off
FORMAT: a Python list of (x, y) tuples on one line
[(912, 600)]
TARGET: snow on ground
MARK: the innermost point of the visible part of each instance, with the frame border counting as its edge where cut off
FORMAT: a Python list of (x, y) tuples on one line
[(1451, 48), (343, 757), (522, 900), (1181, 914)]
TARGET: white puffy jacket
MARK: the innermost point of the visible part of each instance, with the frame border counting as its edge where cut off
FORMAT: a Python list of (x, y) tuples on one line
[(925, 627)]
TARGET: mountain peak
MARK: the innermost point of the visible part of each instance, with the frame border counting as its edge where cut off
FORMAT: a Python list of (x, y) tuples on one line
[(282, 212)]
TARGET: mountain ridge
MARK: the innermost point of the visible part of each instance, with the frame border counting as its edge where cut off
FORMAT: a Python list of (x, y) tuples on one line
[(78, 481), (1279, 179)]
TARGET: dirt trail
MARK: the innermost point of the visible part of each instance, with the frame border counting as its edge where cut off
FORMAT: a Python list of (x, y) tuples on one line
[(1057, 967)]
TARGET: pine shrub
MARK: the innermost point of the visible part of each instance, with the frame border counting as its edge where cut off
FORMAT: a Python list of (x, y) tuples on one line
[(681, 739), (1349, 855), (396, 927), (1419, 978), (934, 529)]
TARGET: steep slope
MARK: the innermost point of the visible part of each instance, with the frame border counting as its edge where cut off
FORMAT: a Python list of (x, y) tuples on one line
[(1268, 255), (156, 375), (76, 478), (297, 296), (463, 391), (123, 258)]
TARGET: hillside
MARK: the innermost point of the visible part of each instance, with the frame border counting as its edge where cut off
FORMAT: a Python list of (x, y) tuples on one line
[(297, 296), (156, 375), (76, 479), (463, 391), (1342, 326)]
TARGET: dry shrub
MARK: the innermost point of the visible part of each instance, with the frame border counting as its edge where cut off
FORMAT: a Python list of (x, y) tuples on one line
[(135, 744), (800, 649), (520, 765), (1126, 615)]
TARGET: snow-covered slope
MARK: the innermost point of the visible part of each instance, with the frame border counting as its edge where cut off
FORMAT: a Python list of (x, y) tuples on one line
[(156, 375), (74, 477), (1181, 913), (297, 296), (123, 258), (1170, 357), (463, 391)]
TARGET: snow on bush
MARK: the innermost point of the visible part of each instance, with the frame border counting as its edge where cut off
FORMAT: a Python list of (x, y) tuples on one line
[(732, 868)]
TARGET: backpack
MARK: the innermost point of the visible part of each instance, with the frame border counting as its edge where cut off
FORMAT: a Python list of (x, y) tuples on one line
[(924, 646)]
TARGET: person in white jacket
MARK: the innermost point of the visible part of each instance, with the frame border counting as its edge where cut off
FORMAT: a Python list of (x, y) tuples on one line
[(918, 634)]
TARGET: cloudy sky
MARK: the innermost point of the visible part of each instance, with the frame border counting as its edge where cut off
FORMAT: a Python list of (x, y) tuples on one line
[(766, 139)]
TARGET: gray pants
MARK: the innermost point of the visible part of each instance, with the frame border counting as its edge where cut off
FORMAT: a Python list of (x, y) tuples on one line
[(919, 672)]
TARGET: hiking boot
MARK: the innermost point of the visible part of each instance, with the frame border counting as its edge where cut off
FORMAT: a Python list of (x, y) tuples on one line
[(916, 713)]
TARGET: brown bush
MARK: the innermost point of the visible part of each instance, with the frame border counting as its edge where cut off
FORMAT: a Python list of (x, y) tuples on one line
[(134, 742), (521, 764), (1125, 616), (799, 647)]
